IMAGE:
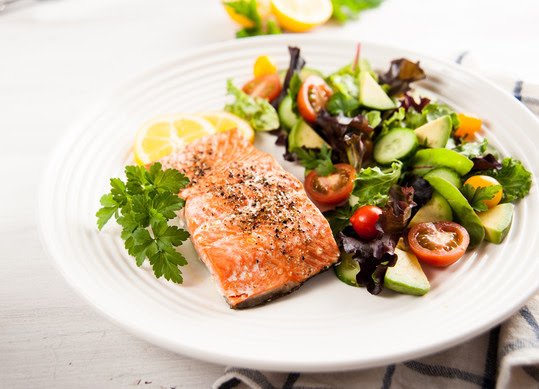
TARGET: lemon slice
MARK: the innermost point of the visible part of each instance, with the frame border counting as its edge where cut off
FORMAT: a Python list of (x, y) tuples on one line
[(165, 134), (224, 121), (301, 15), (262, 6)]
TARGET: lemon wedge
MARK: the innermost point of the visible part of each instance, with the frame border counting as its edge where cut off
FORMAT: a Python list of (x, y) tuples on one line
[(224, 121), (301, 15), (165, 134), (263, 7)]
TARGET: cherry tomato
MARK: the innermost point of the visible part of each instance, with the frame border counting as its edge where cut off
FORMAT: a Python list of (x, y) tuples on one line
[(480, 181), (364, 221), (333, 188), (267, 86), (440, 243), (313, 96)]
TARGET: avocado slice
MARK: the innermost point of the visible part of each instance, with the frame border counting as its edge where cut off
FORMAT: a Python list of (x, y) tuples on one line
[(371, 93), (406, 276), (428, 159), (497, 221), (302, 135), (462, 211), (435, 210), (447, 173), (365, 65), (436, 133)]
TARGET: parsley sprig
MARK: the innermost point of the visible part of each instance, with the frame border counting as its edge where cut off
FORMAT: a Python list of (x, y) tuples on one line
[(475, 196), (312, 159), (248, 8), (143, 206)]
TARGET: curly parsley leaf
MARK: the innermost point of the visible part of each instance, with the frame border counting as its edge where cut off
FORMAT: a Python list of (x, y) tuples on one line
[(142, 206), (476, 196), (316, 160)]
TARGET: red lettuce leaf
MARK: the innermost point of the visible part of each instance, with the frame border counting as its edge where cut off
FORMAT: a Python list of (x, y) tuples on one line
[(335, 128), (409, 102), (375, 256), (422, 190), (296, 64), (487, 162), (400, 75)]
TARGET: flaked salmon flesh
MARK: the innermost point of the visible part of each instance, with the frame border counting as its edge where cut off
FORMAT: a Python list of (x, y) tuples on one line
[(250, 221)]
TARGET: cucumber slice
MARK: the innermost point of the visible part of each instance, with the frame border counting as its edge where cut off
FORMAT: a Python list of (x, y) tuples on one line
[(347, 270), (398, 144), (286, 114)]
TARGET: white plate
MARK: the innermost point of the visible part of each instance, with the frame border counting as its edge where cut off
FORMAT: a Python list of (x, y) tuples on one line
[(326, 325)]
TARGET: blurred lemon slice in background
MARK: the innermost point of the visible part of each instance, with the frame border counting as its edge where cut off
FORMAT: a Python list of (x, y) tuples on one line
[(301, 15), (224, 121), (263, 7), (165, 134)]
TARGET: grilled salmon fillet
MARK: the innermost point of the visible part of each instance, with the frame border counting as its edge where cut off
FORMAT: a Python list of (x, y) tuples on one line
[(250, 221)]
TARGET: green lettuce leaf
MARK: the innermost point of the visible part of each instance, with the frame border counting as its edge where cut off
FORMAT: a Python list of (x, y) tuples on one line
[(372, 185), (514, 178), (257, 111)]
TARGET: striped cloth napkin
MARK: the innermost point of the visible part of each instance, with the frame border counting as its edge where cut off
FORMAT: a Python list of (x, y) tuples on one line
[(507, 356)]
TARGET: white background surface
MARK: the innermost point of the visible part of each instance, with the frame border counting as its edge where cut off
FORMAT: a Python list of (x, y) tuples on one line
[(58, 57)]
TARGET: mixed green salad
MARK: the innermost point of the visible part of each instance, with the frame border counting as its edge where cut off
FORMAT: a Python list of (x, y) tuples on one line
[(403, 179)]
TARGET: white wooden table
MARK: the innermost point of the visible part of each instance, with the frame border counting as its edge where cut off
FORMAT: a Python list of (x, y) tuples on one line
[(57, 57)]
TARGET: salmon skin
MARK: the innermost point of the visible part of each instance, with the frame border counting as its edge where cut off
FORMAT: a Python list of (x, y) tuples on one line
[(250, 221)]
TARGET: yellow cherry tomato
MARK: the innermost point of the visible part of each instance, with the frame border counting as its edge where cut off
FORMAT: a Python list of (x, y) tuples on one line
[(483, 182), (264, 65)]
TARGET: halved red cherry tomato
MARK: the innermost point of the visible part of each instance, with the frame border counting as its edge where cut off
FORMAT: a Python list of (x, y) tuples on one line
[(333, 188), (267, 86), (313, 97), (440, 243), (364, 221)]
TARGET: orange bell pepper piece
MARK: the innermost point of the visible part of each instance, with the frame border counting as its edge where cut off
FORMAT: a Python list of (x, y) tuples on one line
[(468, 126)]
